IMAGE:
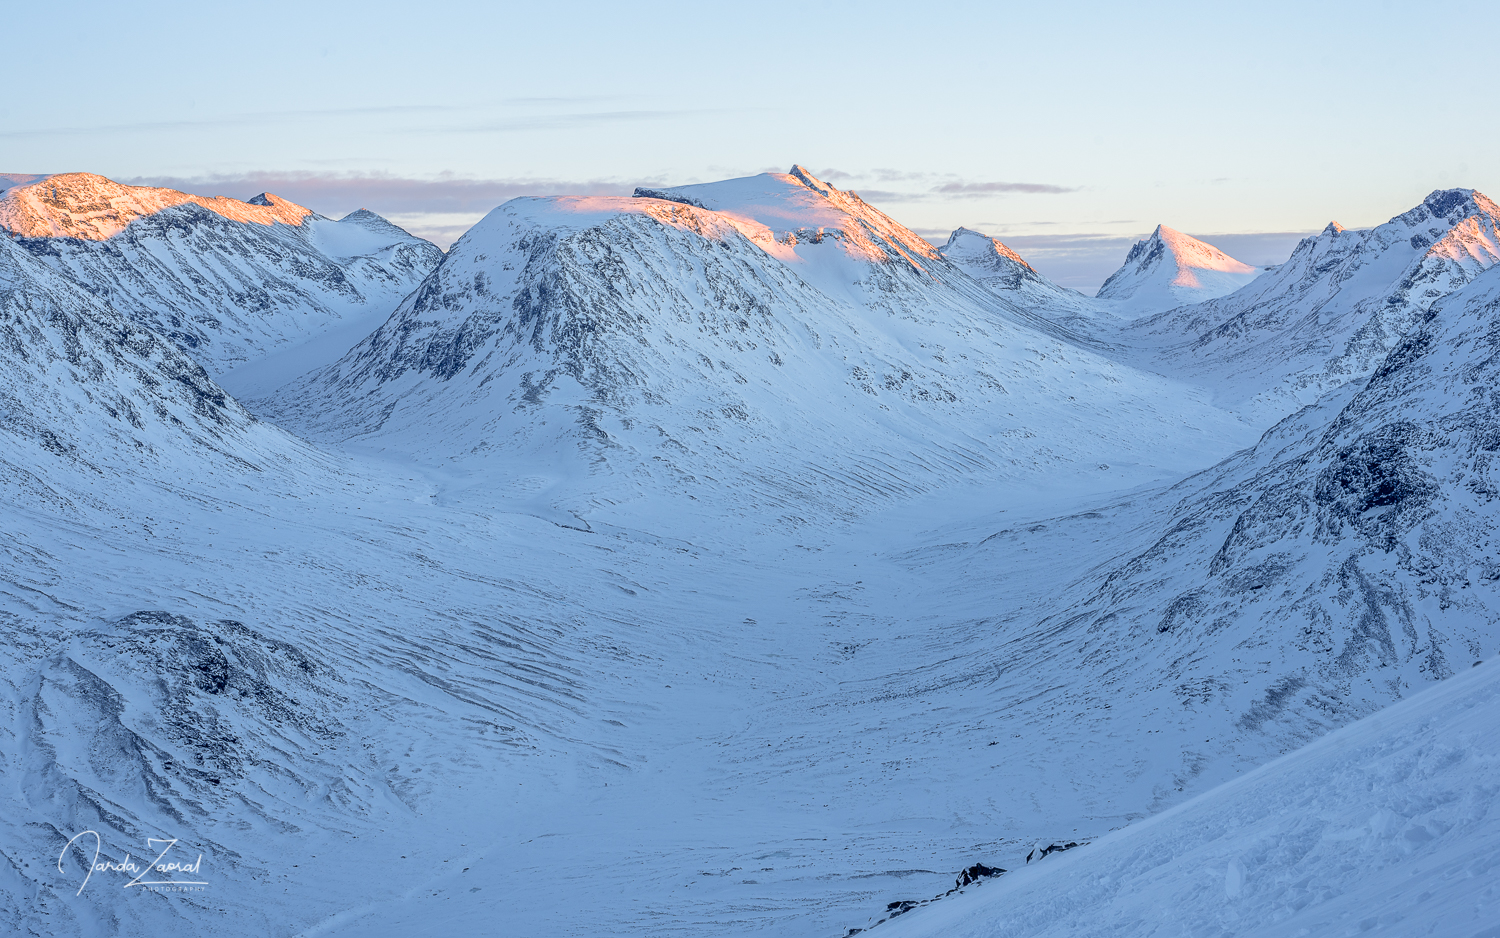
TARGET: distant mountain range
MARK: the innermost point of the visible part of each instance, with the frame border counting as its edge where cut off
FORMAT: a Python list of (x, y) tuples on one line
[(725, 559)]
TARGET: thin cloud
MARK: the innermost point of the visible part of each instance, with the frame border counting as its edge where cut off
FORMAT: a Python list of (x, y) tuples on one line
[(897, 175), (540, 121), (995, 188), (888, 195), (339, 193), (239, 120)]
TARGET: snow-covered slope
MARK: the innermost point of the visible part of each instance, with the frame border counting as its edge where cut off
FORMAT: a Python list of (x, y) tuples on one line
[(1388, 826), (835, 359), (1345, 560), (1004, 271), (677, 570), (850, 249), (84, 388), (1332, 311), (1171, 269), (8, 180), (228, 282)]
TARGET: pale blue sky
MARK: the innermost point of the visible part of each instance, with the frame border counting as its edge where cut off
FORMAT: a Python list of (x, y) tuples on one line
[(1063, 128)]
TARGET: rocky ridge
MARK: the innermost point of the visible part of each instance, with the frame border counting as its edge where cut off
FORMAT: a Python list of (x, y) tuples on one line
[(1332, 311), (226, 281)]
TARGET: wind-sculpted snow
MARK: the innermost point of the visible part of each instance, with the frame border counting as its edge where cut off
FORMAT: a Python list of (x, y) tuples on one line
[(1331, 312), (670, 569), (1170, 269), (1387, 826), (664, 340), (228, 282)]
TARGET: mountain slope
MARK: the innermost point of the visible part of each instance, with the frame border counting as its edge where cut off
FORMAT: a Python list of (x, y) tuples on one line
[(85, 388), (1004, 271), (228, 282), (1344, 561), (1171, 269), (1388, 825), (1333, 310), (685, 573), (832, 360)]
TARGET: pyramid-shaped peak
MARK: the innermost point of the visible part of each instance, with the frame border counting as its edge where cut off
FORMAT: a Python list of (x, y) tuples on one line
[(1334, 228), (1170, 268), (374, 222), (1192, 252)]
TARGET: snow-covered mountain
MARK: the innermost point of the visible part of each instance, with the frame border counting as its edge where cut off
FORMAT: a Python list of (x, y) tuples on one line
[(1351, 548), (1004, 271), (787, 336), (724, 560), (1171, 269), (228, 282), (1331, 312), (83, 389)]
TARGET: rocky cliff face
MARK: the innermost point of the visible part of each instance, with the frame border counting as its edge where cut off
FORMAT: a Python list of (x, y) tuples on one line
[(86, 387)]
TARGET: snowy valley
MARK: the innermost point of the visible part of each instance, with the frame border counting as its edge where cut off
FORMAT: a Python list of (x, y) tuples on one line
[(730, 560)]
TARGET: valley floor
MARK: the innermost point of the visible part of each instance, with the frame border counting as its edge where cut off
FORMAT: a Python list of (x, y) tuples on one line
[(590, 728)]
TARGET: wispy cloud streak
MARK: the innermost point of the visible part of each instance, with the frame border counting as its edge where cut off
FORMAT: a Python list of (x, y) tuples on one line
[(338, 193), (998, 188), (476, 122)]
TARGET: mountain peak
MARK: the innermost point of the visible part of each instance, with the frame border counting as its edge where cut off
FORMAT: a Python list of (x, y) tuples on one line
[(976, 246), (797, 207), (1442, 202), (93, 208), (800, 173), (372, 221), (1170, 268)]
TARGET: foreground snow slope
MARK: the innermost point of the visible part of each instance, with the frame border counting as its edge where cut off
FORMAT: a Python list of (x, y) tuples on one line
[(1388, 826), (1331, 312), (228, 282), (1171, 269)]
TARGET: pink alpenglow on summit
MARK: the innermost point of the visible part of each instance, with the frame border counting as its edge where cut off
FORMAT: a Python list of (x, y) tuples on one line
[(1172, 269), (92, 208)]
